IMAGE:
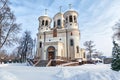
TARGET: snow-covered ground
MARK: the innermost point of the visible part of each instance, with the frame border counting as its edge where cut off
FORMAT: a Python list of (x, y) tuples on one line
[(84, 72)]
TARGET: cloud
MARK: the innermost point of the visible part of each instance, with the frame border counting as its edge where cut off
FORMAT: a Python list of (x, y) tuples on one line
[(98, 26)]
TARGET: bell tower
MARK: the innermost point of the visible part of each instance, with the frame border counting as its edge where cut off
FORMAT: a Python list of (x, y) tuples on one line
[(72, 33), (44, 22), (71, 18), (44, 26), (59, 20)]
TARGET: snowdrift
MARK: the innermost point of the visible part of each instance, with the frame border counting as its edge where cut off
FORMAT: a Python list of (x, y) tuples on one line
[(84, 72)]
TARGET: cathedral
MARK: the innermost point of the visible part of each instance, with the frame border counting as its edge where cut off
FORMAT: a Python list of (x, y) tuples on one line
[(62, 40)]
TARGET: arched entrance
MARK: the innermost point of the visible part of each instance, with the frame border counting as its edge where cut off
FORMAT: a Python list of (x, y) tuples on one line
[(51, 52)]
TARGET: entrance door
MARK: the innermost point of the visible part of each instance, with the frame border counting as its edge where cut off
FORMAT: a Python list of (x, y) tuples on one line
[(51, 52), (51, 55)]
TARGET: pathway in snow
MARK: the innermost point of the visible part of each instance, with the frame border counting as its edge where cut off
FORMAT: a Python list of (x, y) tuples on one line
[(5, 75)]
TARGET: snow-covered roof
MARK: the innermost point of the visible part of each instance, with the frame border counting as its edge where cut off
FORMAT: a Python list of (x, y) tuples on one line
[(96, 59)]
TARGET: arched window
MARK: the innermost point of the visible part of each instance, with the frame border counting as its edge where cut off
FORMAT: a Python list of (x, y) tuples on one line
[(71, 42), (71, 34), (46, 23), (66, 19), (55, 33), (77, 49), (70, 19), (58, 22), (84, 55), (42, 22), (54, 23), (40, 37), (40, 44), (75, 19), (64, 22)]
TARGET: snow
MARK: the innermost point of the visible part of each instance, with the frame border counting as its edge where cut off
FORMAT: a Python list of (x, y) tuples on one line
[(84, 72)]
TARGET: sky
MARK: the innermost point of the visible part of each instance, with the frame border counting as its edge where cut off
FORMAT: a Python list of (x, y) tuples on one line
[(96, 18)]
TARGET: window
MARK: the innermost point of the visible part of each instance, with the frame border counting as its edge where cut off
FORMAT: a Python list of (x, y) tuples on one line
[(70, 19), (58, 22), (46, 23), (75, 19), (77, 49), (40, 44), (71, 34), (84, 55), (66, 20), (54, 23), (71, 42), (42, 22), (55, 33)]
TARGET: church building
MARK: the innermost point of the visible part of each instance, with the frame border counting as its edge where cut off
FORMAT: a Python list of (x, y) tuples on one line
[(62, 40)]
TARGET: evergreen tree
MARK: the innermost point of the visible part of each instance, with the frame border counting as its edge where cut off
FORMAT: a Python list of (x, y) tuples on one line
[(116, 57)]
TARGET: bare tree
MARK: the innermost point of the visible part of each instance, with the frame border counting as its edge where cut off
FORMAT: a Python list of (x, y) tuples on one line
[(97, 54), (8, 27), (12, 57), (15, 52), (3, 56), (116, 29), (90, 48), (26, 46)]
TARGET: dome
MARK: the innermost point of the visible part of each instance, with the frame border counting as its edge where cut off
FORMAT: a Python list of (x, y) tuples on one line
[(71, 19), (58, 15), (70, 12), (58, 20), (45, 17), (44, 22)]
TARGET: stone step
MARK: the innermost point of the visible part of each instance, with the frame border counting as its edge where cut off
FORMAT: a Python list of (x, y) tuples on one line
[(42, 63)]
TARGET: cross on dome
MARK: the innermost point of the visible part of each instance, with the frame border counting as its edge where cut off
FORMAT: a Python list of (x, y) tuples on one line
[(46, 11), (70, 6), (60, 9)]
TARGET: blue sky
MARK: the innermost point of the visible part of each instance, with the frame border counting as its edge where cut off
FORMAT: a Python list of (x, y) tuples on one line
[(96, 18)]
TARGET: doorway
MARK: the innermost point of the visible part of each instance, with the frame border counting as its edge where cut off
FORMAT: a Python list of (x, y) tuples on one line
[(51, 52)]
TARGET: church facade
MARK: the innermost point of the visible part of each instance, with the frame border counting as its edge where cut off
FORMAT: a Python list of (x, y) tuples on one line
[(62, 41)]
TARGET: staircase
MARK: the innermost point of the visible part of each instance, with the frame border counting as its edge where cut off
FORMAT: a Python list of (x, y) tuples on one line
[(52, 62), (30, 62), (42, 63), (55, 62)]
